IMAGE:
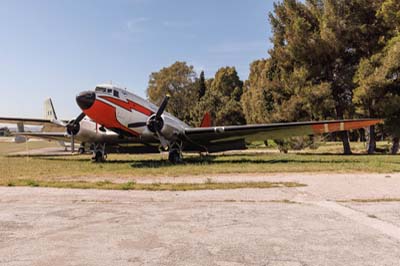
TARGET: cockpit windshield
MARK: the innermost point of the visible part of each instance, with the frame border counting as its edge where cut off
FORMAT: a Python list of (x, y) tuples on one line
[(100, 89), (115, 93)]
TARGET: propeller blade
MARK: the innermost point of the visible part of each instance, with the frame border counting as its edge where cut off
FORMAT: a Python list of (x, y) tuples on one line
[(58, 122), (80, 118), (73, 128), (138, 124), (163, 106), (163, 141)]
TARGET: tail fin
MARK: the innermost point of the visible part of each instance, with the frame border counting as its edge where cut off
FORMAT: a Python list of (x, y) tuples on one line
[(206, 122), (49, 112)]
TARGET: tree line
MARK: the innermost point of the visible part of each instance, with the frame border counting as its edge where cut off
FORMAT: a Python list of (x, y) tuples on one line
[(331, 59)]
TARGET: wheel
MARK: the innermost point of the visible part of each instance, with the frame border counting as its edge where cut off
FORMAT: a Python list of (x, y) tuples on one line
[(99, 157), (81, 150), (175, 156)]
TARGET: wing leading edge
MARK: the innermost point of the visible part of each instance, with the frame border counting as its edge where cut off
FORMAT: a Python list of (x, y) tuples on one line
[(273, 131), (47, 124), (57, 136), (27, 121)]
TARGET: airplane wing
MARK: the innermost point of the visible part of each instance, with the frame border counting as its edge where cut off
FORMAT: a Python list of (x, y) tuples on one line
[(272, 131), (47, 124), (27, 121), (57, 136)]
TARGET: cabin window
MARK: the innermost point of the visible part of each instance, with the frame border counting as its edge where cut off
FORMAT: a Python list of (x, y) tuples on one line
[(99, 89), (116, 93), (109, 91)]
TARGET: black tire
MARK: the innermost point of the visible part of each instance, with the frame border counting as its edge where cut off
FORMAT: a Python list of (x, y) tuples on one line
[(99, 158), (81, 150), (175, 157)]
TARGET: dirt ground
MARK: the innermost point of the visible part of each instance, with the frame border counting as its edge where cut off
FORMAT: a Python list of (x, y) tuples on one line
[(312, 225)]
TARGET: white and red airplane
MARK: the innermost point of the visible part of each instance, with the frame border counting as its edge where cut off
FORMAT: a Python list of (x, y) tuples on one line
[(140, 121), (81, 130)]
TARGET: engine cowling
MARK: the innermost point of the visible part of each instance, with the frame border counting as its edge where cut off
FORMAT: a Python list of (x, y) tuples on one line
[(155, 123), (73, 128)]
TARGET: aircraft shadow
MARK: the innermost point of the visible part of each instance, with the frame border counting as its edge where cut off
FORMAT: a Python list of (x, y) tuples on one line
[(37, 156), (212, 161)]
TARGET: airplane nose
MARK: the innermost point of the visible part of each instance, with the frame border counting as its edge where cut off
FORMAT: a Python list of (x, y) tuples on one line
[(86, 99)]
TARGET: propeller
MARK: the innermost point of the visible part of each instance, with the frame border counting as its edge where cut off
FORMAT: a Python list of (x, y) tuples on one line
[(73, 128), (156, 123), (58, 122), (138, 124)]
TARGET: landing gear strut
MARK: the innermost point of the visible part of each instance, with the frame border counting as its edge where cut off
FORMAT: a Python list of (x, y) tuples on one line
[(175, 153), (99, 153)]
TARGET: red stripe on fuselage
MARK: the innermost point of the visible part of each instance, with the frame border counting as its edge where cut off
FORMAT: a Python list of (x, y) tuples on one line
[(129, 105), (105, 115)]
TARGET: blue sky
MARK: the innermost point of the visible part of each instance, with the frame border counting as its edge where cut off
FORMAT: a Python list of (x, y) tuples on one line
[(57, 48)]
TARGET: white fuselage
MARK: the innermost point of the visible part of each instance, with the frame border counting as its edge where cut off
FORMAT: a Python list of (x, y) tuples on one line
[(122, 111)]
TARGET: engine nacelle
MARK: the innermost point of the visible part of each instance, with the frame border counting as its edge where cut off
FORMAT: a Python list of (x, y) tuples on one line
[(73, 129), (155, 124)]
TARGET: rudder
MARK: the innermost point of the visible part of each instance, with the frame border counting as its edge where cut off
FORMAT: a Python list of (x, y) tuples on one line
[(49, 112)]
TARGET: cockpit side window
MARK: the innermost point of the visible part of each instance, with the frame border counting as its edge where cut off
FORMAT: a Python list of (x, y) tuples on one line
[(99, 89), (109, 91), (116, 93)]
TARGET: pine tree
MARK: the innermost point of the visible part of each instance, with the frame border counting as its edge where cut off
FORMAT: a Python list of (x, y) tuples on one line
[(202, 85)]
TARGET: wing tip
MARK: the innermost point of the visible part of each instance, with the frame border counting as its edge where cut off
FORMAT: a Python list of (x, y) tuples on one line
[(343, 125)]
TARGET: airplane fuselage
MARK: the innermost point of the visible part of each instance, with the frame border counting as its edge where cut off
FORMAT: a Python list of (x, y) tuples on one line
[(126, 113)]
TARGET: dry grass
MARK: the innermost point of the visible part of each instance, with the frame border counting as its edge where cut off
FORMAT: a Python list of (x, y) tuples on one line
[(150, 187), (374, 200), (126, 167), (11, 147), (136, 166)]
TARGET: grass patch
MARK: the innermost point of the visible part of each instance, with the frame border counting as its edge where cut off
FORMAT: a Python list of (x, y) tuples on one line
[(32, 183), (10, 147), (285, 201), (129, 166), (129, 185), (137, 166), (374, 200), (151, 187)]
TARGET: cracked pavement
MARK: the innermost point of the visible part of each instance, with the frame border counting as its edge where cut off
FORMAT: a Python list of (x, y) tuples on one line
[(313, 225)]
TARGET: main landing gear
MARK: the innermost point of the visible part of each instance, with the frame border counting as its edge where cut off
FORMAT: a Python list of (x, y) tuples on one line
[(82, 149), (175, 153), (99, 153)]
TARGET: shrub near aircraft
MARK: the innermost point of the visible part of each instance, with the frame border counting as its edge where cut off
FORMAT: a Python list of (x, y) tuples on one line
[(132, 117)]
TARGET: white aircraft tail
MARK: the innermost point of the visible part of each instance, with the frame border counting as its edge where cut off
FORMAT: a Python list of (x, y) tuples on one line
[(49, 112)]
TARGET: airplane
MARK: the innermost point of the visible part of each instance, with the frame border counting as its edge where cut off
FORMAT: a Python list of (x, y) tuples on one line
[(81, 130), (133, 117)]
